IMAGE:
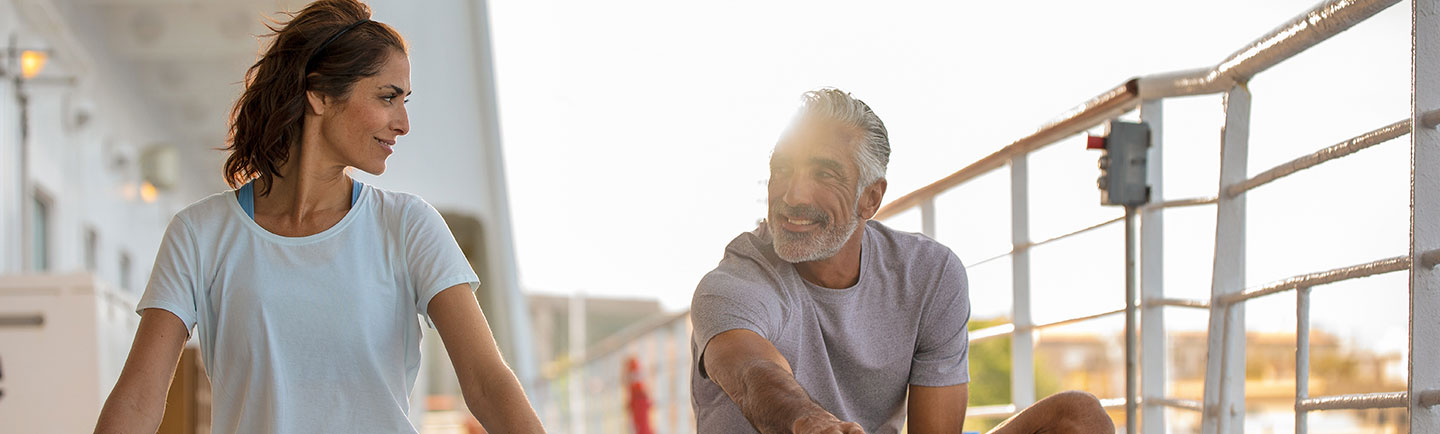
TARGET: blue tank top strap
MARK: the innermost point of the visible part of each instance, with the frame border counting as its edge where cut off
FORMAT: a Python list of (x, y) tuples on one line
[(246, 196), (355, 191)]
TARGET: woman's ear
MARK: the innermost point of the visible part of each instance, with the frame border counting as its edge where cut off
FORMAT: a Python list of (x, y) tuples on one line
[(317, 102)]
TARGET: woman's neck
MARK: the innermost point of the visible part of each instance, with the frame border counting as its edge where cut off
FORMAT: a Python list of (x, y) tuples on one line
[(305, 189)]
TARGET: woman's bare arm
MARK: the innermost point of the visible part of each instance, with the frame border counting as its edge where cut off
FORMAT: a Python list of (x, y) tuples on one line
[(137, 403)]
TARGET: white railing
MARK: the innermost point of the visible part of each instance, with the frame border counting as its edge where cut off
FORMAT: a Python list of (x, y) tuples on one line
[(588, 395), (1222, 408)]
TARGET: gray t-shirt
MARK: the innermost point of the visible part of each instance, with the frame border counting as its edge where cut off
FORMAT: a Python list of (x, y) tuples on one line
[(854, 350)]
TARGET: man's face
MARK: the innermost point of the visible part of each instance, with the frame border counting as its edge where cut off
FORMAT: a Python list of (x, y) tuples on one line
[(814, 206)]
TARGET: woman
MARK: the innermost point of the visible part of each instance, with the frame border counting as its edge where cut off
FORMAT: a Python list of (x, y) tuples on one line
[(304, 284)]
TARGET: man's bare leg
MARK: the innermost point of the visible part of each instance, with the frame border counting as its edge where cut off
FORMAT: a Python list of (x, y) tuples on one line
[(1062, 413)]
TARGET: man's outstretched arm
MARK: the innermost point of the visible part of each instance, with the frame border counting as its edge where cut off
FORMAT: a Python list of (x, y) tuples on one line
[(937, 409), (754, 374)]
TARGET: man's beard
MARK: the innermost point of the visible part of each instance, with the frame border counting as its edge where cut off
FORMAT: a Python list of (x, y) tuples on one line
[(797, 247)]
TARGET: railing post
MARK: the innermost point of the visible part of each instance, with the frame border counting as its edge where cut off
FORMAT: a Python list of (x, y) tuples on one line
[(1152, 278), (576, 382), (1132, 341), (1424, 215), (1022, 343), (1302, 357), (1225, 356), (927, 217)]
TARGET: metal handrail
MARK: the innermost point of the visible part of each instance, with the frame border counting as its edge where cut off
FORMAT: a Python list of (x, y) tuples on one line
[(1177, 203), (1009, 328), (1107, 105), (1358, 401), (615, 342), (1300, 33), (1382, 266), (1342, 149), (1183, 404)]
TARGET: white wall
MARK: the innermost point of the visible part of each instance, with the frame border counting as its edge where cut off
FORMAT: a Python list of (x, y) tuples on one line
[(452, 155), (89, 171), (58, 373)]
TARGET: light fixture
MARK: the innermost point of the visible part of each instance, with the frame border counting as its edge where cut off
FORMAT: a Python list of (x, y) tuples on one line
[(32, 62), (148, 192), (20, 62)]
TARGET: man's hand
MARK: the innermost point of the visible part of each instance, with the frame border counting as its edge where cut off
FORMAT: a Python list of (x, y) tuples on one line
[(824, 423)]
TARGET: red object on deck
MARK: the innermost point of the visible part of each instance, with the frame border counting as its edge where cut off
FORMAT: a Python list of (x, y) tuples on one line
[(639, 402)]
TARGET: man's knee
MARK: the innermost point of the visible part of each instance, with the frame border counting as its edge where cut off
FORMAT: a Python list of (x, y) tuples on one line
[(1076, 401), (1079, 411)]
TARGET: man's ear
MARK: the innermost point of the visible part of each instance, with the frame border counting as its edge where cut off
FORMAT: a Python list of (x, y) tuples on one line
[(871, 197), (317, 102)]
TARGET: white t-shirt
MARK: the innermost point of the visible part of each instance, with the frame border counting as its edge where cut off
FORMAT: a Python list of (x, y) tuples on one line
[(308, 334)]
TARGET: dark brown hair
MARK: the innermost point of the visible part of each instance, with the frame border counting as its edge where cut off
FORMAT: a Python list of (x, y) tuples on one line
[(326, 47)]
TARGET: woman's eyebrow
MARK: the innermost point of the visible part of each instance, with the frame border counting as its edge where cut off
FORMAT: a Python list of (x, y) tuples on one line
[(397, 89)]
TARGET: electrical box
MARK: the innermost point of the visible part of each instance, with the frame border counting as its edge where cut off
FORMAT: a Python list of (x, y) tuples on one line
[(1126, 146)]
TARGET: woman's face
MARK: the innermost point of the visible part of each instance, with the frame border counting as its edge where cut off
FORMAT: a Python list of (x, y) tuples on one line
[(361, 130)]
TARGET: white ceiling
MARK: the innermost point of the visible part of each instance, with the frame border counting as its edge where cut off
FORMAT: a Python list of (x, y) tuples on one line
[(186, 59)]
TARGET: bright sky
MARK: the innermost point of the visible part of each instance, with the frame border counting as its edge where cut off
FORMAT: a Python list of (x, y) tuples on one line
[(637, 133)]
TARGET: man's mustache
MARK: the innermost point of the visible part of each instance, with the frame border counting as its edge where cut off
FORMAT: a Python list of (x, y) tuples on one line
[(800, 212)]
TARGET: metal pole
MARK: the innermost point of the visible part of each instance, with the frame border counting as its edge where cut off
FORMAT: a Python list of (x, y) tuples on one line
[(1022, 343), (577, 365), (1225, 353), (1424, 213), (927, 217), (1132, 358), (1302, 357), (1152, 277)]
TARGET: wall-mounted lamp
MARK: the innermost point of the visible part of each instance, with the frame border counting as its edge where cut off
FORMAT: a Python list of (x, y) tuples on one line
[(21, 65), (32, 62), (28, 62)]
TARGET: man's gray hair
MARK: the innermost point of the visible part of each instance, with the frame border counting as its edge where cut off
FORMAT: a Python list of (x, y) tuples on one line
[(838, 105)]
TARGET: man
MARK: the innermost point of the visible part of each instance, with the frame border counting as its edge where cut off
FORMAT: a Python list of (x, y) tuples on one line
[(821, 321)]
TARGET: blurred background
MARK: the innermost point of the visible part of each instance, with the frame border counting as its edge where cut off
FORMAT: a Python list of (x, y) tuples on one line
[(593, 158)]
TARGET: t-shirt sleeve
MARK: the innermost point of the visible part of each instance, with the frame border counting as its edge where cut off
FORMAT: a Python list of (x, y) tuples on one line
[(432, 257), (175, 279), (942, 350), (724, 302)]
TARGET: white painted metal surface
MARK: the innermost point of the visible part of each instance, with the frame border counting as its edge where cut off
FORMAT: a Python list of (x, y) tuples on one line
[(1302, 357), (1225, 358), (1152, 276), (62, 350), (1022, 346), (1299, 34), (927, 217), (1424, 217), (577, 371), (1132, 322)]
